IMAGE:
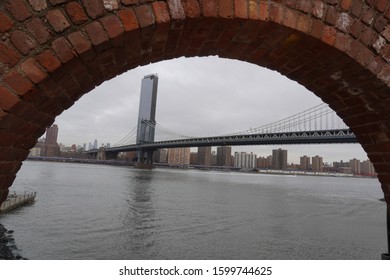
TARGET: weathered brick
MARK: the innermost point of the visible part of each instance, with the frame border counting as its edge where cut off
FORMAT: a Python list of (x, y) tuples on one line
[(19, 9), (241, 8), (386, 33), (355, 48), (96, 33), (38, 5), (111, 5), (290, 18), (364, 57), (144, 15), (318, 9), (357, 28), (357, 8), (22, 41), (129, 19), (38, 30), (381, 5), (18, 83), (79, 42), (209, 7), (317, 28), (33, 71), (63, 50), (191, 7), (94, 8), (346, 4), (303, 23), (305, 5), (112, 26), (275, 12), (176, 10), (161, 13), (376, 65), (226, 8), (8, 55), (368, 16), (57, 20), (367, 36), (380, 24), (344, 22), (6, 22), (48, 60), (8, 99), (329, 35), (331, 16), (384, 75), (253, 10), (76, 13)]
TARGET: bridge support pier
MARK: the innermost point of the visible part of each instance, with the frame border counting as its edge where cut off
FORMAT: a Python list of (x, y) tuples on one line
[(386, 256), (145, 159)]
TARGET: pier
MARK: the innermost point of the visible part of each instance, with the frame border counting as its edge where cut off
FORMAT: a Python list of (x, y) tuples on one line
[(14, 201)]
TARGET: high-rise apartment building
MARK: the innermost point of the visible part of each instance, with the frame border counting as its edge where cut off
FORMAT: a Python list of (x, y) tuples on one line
[(51, 147), (264, 162), (160, 156), (179, 156), (367, 168), (52, 134), (305, 163), (224, 154), (204, 156), (245, 160), (194, 158), (355, 166), (279, 159), (317, 164)]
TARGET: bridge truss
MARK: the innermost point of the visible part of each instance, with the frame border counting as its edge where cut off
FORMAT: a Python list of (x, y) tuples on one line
[(317, 125)]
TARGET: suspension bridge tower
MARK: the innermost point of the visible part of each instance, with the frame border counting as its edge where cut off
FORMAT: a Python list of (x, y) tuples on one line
[(147, 118)]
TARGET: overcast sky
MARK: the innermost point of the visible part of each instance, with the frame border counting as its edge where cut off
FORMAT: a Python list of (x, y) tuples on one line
[(199, 97)]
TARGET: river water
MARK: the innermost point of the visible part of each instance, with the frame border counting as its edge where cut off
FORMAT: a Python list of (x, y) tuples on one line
[(107, 212)]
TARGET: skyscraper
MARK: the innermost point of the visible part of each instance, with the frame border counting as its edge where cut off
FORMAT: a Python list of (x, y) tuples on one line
[(224, 154), (147, 109), (279, 159)]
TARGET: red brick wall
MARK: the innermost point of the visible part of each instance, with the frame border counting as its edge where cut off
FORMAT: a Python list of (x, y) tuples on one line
[(54, 51)]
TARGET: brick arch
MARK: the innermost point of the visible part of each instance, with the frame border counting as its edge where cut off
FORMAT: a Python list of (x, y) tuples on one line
[(54, 51)]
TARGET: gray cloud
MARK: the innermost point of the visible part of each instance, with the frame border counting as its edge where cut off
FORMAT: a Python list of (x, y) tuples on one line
[(200, 97)]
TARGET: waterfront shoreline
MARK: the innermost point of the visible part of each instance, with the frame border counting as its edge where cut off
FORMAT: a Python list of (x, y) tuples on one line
[(208, 168)]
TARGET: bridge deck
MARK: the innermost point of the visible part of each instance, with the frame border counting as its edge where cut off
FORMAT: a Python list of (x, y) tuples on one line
[(338, 136)]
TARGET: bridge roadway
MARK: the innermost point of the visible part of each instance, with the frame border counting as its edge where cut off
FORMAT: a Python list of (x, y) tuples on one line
[(279, 138)]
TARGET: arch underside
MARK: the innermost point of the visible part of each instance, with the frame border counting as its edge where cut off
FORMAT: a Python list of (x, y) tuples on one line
[(48, 78)]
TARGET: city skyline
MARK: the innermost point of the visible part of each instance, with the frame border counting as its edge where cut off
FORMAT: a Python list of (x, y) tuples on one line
[(199, 97)]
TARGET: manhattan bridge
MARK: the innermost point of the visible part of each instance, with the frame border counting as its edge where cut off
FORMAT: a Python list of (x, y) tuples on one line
[(316, 125)]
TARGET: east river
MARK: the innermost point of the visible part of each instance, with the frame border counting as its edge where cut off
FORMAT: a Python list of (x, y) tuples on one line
[(107, 212)]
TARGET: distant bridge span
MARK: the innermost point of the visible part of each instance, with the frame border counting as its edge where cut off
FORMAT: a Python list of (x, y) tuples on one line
[(280, 138)]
